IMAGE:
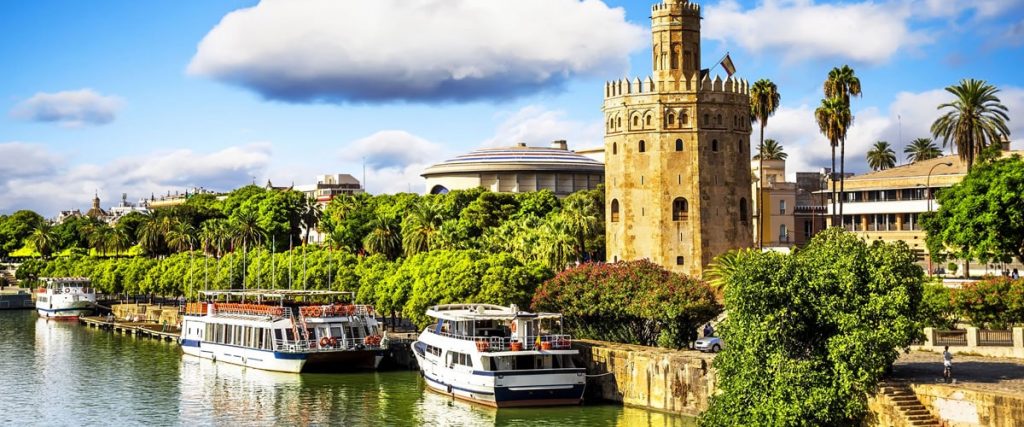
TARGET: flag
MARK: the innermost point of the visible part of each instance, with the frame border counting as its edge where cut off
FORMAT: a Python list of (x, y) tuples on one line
[(728, 65)]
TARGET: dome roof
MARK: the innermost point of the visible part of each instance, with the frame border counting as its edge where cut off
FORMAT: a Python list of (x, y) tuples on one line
[(517, 158)]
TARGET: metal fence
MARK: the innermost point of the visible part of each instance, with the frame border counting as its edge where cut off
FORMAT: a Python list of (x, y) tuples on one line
[(950, 338), (995, 338)]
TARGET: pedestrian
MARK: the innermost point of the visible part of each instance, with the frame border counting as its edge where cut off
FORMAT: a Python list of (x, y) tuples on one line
[(708, 330), (947, 364), (1015, 275)]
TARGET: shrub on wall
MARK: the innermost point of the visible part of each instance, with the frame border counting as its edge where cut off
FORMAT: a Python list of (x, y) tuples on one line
[(995, 303), (635, 302)]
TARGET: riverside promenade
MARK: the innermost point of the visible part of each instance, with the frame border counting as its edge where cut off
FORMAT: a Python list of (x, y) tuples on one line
[(992, 374)]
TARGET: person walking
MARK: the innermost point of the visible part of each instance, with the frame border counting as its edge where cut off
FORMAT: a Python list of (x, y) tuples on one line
[(947, 365), (708, 330), (1015, 275)]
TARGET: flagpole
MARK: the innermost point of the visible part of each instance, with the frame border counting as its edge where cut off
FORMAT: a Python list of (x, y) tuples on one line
[(718, 63)]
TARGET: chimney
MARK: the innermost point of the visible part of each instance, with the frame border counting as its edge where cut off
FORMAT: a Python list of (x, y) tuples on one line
[(559, 144)]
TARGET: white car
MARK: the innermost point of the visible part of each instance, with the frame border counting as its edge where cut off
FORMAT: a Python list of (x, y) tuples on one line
[(712, 344)]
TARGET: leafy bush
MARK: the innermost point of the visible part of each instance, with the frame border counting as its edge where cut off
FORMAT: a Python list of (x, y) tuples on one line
[(937, 309), (995, 303), (810, 334), (635, 302)]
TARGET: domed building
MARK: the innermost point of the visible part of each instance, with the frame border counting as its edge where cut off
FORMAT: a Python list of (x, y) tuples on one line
[(517, 169)]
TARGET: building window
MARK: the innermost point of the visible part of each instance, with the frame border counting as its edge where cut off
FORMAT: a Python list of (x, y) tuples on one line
[(714, 145), (618, 121), (807, 229), (615, 148), (743, 210), (739, 146), (636, 120), (718, 120), (648, 120), (680, 209), (707, 119), (685, 119), (679, 145), (643, 146), (671, 119), (783, 233), (782, 207), (615, 210), (679, 260)]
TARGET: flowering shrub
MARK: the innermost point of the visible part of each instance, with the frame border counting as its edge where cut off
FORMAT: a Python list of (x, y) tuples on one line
[(996, 302), (635, 302)]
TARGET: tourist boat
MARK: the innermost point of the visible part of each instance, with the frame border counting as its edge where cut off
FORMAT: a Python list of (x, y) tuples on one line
[(65, 298), (283, 330), (499, 356)]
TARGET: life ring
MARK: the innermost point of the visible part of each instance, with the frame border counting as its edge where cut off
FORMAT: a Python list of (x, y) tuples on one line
[(278, 311), (334, 342), (325, 341), (315, 312), (67, 290)]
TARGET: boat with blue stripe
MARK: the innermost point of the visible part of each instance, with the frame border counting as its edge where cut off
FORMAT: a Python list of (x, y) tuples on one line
[(499, 356)]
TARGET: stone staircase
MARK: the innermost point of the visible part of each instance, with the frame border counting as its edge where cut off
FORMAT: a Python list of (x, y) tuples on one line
[(907, 405)]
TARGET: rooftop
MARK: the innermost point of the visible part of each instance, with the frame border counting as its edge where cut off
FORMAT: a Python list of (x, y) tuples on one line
[(457, 312), (517, 158)]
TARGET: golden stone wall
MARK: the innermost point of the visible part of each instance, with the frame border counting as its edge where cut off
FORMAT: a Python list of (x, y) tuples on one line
[(646, 169)]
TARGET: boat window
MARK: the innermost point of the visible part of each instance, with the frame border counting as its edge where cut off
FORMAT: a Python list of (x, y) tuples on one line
[(336, 332), (524, 362), (289, 334)]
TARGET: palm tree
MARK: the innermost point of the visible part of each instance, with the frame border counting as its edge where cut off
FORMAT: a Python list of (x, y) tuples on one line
[(764, 101), (580, 215), (976, 119), (247, 232), (97, 236), (722, 268), (153, 233), (385, 237), (557, 243), (422, 224), (772, 150), (181, 237), (842, 82), (834, 118), (310, 216), (215, 236), (881, 156), (117, 241), (922, 149), (43, 239)]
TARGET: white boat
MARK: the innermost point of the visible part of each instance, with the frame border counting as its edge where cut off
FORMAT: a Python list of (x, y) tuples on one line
[(65, 298), (499, 356), (282, 330)]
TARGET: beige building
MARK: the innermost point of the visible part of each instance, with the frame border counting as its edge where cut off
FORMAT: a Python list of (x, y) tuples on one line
[(517, 169), (328, 187), (677, 152), (778, 207)]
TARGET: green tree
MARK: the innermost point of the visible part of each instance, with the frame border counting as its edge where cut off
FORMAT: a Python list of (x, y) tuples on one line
[(420, 227), (310, 216), (922, 149), (14, 229), (181, 237), (246, 230), (43, 239), (764, 101), (771, 150), (583, 219), (834, 120), (982, 216), (153, 233), (842, 83), (975, 119), (881, 156), (385, 237), (811, 333)]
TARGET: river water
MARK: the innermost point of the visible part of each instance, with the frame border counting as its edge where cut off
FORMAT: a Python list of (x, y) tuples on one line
[(61, 373)]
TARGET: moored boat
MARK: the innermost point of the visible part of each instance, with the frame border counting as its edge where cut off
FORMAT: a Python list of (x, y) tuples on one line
[(65, 298), (283, 330), (499, 356)]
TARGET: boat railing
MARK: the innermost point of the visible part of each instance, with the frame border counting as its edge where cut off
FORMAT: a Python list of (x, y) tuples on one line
[(531, 342), (328, 344), (336, 310), (250, 309)]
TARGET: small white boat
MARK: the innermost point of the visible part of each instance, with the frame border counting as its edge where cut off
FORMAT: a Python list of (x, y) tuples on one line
[(283, 331), (65, 298), (499, 356)]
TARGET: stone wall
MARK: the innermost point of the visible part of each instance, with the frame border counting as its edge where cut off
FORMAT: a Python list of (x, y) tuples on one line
[(655, 378), (958, 407), (146, 313)]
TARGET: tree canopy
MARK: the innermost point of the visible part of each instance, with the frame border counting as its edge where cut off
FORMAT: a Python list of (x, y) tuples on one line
[(809, 334)]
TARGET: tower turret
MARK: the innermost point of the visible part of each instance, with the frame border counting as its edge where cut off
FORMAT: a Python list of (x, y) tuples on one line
[(675, 39)]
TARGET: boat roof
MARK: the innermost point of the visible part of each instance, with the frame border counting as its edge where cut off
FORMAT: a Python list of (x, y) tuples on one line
[(457, 312), (274, 293)]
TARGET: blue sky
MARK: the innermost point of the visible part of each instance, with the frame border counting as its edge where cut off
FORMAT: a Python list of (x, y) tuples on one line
[(150, 97)]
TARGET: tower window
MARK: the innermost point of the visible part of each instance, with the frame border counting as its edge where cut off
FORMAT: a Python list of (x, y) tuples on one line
[(671, 119), (618, 121), (615, 210), (648, 120), (679, 260), (679, 145), (743, 210), (636, 120), (642, 146), (685, 119), (707, 119), (680, 209), (714, 145), (739, 146), (718, 120), (615, 148)]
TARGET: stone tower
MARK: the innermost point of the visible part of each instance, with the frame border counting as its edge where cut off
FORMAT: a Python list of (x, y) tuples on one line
[(677, 154)]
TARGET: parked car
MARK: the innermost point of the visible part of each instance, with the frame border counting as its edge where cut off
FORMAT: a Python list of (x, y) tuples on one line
[(712, 344)]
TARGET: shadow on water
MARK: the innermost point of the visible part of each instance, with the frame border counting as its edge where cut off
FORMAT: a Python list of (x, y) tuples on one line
[(61, 373)]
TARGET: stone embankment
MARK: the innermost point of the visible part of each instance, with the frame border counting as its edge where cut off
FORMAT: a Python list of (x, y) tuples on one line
[(654, 378)]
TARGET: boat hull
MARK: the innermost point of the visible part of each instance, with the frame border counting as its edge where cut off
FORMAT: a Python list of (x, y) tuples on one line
[(333, 361), (68, 311)]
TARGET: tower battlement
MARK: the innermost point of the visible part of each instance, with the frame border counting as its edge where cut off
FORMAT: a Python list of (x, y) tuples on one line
[(676, 7), (625, 87)]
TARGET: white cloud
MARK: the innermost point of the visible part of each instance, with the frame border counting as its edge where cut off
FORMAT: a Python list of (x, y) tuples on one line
[(52, 185), (980, 9), (422, 50), (390, 148), (19, 159), (74, 108), (908, 116), (536, 125), (866, 32)]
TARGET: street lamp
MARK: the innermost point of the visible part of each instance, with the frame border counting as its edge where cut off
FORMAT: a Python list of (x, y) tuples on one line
[(928, 190)]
